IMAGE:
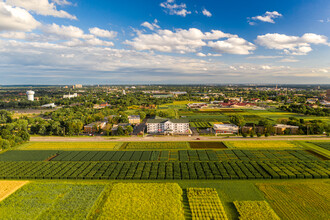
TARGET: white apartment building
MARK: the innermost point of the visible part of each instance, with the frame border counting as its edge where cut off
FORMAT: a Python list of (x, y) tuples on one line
[(168, 126)]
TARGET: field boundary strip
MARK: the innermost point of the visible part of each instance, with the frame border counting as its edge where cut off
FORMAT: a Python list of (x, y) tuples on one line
[(9, 187)]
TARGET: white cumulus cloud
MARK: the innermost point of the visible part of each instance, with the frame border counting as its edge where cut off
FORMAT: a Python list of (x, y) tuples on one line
[(150, 26), (292, 45), (103, 33), (185, 41), (233, 45), (16, 19), (42, 7), (267, 17), (174, 9), (206, 13)]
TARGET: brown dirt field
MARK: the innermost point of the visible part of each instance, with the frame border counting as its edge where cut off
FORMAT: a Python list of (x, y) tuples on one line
[(9, 187)]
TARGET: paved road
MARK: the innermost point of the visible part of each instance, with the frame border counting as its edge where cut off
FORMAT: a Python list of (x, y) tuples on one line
[(170, 138)]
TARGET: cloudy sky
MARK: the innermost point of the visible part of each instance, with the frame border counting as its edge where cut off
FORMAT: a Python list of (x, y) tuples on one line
[(164, 41)]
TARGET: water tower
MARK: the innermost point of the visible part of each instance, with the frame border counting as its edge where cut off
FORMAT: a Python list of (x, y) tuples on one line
[(30, 95)]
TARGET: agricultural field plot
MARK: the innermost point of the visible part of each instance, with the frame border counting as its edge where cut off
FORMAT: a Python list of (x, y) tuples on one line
[(264, 155), (71, 146), (27, 155), (261, 144), (201, 145), (206, 117), (143, 201), (9, 187), (154, 145), (277, 114), (254, 210), (325, 145), (165, 155), (165, 170), (205, 204), (298, 201), (51, 201), (201, 124)]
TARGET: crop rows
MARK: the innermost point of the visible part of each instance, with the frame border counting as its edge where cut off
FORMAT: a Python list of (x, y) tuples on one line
[(164, 155), (201, 124), (298, 201), (164, 170), (143, 201), (325, 145), (205, 204), (51, 201)]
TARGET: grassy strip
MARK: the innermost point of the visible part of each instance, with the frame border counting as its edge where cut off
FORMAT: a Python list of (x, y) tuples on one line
[(315, 148)]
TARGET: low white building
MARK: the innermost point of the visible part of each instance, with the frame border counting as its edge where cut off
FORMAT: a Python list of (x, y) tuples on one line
[(50, 105), (225, 129), (70, 96), (168, 126)]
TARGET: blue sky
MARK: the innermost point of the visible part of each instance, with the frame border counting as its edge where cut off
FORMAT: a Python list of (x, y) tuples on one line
[(166, 41)]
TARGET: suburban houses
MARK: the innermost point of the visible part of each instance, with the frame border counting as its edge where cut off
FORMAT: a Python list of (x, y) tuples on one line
[(94, 127), (225, 129), (134, 119)]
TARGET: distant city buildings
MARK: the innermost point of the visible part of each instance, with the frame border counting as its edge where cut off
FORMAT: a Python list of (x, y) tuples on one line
[(328, 95), (78, 86), (30, 95), (70, 96), (168, 126)]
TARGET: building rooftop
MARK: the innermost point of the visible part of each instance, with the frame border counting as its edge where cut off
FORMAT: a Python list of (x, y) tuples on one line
[(164, 120)]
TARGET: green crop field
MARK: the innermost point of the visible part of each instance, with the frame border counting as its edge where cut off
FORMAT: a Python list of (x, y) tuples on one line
[(247, 177), (18, 155), (164, 170), (71, 146), (262, 144), (155, 145), (68, 199), (51, 201), (212, 154)]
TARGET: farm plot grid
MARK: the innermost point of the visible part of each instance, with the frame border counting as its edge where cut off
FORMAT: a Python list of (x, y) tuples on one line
[(164, 170), (44, 200), (298, 201), (162, 155)]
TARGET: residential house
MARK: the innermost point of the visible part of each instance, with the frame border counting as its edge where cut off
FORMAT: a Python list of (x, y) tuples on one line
[(94, 127), (225, 129), (280, 129), (134, 119)]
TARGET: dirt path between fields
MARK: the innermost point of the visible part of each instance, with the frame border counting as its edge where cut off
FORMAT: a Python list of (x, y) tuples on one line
[(169, 138)]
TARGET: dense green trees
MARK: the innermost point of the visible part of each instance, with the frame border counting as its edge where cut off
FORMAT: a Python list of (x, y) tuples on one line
[(306, 110)]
